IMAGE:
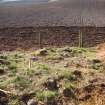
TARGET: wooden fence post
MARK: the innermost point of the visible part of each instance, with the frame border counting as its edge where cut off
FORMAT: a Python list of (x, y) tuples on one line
[(39, 40), (80, 38)]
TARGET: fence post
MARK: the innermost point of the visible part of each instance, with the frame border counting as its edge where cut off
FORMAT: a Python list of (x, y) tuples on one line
[(39, 39), (30, 64), (80, 38)]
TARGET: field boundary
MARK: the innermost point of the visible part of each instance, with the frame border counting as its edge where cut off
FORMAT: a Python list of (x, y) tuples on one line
[(12, 38)]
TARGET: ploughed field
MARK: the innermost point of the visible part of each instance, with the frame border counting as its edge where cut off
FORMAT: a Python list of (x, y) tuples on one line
[(52, 76), (30, 38), (63, 12)]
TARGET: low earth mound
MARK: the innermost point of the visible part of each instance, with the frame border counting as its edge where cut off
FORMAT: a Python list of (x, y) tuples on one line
[(92, 94), (52, 76)]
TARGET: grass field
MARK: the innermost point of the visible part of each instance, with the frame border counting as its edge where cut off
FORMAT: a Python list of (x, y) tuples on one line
[(51, 75)]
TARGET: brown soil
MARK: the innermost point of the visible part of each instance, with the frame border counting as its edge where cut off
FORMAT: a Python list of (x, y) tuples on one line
[(101, 52), (93, 94), (67, 12), (33, 37)]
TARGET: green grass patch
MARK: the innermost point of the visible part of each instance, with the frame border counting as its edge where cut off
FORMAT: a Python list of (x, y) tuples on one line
[(13, 67), (43, 66), (46, 95)]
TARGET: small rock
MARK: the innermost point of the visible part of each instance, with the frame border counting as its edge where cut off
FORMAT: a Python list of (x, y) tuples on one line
[(51, 84), (3, 57), (96, 61), (1, 61), (66, 64), (25, 97), (4, 62), (40, 103), (3, 98), (67, 49), (68, 92), (2, 71), (65, 54), (77, 73), (41, 52), (34, 59), (32, 102)]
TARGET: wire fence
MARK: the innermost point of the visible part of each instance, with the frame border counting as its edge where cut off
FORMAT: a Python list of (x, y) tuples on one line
[(51, 36), (79, 38)]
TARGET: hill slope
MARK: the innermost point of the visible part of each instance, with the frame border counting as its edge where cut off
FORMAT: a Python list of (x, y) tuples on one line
[(63, 12)]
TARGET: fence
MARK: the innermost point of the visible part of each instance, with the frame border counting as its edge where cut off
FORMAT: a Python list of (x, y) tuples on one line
[(35, 37)]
